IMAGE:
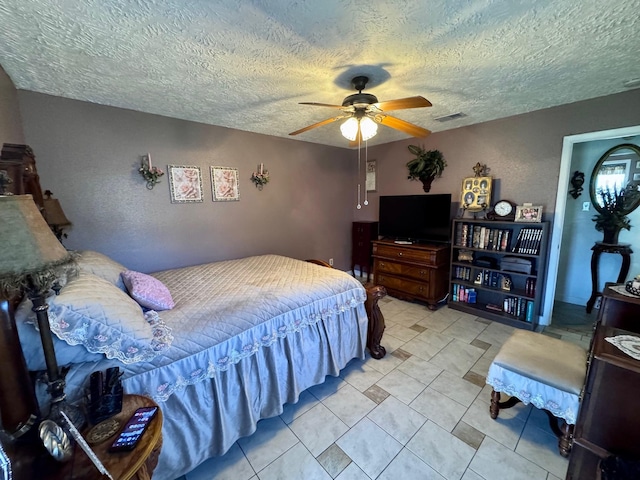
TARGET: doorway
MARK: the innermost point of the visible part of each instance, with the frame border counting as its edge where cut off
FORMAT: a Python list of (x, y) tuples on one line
[(559, 244)]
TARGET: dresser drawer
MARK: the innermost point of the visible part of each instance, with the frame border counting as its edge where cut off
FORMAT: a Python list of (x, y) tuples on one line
[(417, 289), (419, 273), (428, 257)]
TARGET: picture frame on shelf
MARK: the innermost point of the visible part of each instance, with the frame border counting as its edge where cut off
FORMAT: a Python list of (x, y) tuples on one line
[(185, 183), (528, 213), (476, 193), (224, 184)]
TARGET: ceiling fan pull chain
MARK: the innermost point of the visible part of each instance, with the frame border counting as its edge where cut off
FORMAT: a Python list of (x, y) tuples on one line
[(358, 206), (366, 160)]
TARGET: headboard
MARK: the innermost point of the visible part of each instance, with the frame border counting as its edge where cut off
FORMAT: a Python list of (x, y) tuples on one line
[(19, 164)]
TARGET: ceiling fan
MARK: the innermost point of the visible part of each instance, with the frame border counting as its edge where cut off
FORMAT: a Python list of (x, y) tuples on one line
[(363, 113)]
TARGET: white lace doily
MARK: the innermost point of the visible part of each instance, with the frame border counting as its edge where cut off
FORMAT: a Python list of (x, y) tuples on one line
[(627, 343), (622, 291)]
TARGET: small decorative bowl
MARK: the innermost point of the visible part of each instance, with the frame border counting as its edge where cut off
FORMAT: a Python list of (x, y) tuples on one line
[(631, 289)]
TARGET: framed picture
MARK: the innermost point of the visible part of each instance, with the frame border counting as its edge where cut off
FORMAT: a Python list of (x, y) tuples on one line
[(636, 177), (224, 184), (528, 213), (371, 180), (476, 193), (185, 183)]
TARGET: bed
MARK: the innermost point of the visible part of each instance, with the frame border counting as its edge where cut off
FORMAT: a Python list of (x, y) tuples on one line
[(227, 345)]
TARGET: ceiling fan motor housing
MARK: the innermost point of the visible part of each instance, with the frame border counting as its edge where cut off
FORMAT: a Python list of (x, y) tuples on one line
[(359, 100)]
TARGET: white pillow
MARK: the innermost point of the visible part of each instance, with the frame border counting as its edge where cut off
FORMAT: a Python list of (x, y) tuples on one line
[(102, 266), (93, 313)]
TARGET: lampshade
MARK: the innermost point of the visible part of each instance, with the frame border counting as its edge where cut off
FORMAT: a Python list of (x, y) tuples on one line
[(349, 129), (54, 214), (368, 128), (29, 247)]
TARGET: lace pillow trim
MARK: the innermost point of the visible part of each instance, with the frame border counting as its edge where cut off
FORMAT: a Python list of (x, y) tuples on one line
[(112, 342), (166, 389)]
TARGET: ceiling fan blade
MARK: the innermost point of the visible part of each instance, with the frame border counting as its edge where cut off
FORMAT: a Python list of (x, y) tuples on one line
[(401, 103), (406, 127), (319, 124), (316, 104)]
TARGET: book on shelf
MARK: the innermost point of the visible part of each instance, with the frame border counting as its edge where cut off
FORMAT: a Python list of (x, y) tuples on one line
[(528, 241), (482, 237), (529, 312)]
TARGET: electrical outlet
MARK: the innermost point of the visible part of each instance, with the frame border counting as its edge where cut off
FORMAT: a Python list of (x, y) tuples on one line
[(586, 206), (331, 262)]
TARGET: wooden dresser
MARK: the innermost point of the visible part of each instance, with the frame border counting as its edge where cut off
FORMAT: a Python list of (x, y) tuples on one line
[(412, 272), (608, 422), (363, 233)]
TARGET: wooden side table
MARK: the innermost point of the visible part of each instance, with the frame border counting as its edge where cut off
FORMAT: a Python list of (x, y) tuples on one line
[(137, 464), (623, 249)]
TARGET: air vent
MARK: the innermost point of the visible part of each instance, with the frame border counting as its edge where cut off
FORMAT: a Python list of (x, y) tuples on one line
[(448, 118)]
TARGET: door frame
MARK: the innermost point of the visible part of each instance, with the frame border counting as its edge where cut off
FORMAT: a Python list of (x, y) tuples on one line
[(561, 204)]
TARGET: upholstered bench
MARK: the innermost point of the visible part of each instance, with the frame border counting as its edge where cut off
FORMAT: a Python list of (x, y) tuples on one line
[(547, 372)]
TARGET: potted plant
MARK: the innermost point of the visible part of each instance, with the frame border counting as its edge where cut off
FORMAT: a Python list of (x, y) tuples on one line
[(612, 215), (427, 165)]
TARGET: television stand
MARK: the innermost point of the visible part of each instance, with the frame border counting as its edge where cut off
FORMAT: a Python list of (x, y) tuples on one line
[(415, 272)]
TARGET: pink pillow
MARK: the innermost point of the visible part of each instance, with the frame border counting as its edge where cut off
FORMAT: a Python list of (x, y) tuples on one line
[(148, 291)]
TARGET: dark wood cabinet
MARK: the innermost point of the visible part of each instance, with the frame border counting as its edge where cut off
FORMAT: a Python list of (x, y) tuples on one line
[(498, 270), (412, 272), (363, 233), (608, 422)]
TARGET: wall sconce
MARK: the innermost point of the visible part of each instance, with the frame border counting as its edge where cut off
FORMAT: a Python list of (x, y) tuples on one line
[(150, 173), (577, 180), (261, 177)]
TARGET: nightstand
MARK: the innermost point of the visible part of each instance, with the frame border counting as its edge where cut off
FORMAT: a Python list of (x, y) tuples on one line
[(138, 464)]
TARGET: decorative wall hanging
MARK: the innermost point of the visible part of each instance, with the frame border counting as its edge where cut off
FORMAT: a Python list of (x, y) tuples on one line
[(371, 180), (476, 193), (427, 165), (224, 184), (150, 173), (260, 177), (185, 183), (577, 180)]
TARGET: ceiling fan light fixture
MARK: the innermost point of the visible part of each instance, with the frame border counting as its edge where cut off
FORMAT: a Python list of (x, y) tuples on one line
[(368, 128), (349, 129)]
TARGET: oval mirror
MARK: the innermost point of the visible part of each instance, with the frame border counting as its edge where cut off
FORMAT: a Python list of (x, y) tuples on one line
[(617, 174)]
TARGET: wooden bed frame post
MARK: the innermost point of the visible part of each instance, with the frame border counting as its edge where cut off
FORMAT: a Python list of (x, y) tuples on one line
[(18, 404), (376, 319)]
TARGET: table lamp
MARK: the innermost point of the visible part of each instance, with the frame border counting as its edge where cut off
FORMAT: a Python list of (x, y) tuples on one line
[(33, 261)]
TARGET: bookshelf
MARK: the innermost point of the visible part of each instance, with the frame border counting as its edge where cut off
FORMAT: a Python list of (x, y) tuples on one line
[(498, 269)]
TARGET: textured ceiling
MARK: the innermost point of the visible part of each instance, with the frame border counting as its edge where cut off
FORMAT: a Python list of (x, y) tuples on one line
[(247, 64)]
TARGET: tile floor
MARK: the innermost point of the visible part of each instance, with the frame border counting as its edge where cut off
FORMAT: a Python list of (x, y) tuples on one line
[(419, 413)]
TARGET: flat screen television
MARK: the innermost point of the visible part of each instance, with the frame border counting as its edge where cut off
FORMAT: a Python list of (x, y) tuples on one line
[(416, 218)]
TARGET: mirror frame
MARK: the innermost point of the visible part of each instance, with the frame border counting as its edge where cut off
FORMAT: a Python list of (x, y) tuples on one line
[(604, 158)]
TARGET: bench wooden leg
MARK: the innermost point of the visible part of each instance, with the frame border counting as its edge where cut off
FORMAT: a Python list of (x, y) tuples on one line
[(496, 404), (564, 432)]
